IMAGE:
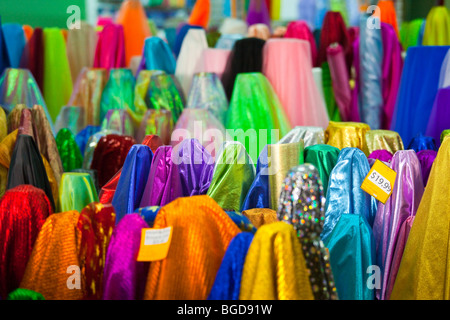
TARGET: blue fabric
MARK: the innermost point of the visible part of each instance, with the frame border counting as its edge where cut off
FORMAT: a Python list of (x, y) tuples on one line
[(148, 214), (180, 37), (158, 56), (418, 88), (171, 36), (307, 11), (241, 221), (259, 193), (15, 42), (345, 195), (352, 252), (421, 33), (4, 57), (227, 41), (227, 284), (421, 142), (322, 7), (83, 136), (133, 178)]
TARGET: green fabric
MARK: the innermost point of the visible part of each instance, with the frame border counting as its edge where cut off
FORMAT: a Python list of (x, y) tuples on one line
[(332, 108), (340, 6), (444, 134), (76, 191), (212, 37), (69, 151), (409, 33), (25, 294), (163, 94)]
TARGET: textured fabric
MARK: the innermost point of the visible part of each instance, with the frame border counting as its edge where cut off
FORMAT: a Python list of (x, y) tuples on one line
[(83, 136), (76, 191), (259, 217), (383, 140), (189, 270), (426, 158), (110, 50), (6, 151), (68, 150), (91, 145), (3, 124), (347, 135), (381, 155), (420, 142), (275, 268), (309, 135), (148, 214)]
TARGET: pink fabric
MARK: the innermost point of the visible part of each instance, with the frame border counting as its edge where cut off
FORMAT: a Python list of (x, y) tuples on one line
[(214, 60), (340, 81), (110, 50), (300, 30), (287, 65), (355, 92)]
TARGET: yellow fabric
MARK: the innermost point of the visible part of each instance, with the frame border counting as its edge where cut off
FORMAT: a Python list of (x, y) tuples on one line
[(384, 140), (347, 134), (6, 150), (423, 272), (274, 267), (437, 27), (3, 124)]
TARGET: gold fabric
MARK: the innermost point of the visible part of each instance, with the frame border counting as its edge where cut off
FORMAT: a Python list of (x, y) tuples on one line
[(274, 267), (259, 217), (3, 124), (201, 232), (14, 117), (282, 157), (347, 134), (55, 250), (6, 151), (384, 140)]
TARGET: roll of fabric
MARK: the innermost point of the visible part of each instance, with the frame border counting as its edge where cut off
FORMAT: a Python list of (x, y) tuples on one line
[(241, 221), (347, 135), (91, 145), (257, 12), (437, 27), (328, 93), (439, 115), (23, 211), (180, 37), (93, 174), (54, 260), (110, 50), (71, 118), (214, 61), (142, 86), (384, 140), (189, 270), (3, 125), (409, 33), (302, 204), (444, 134), (323, 157), (426, 159), (157, 55), (156, 122), (4, 57), (120, 121), (420, 142), (76, 191), (259, 30), (258, 195), (33, 57), (200, 14), (426, 247), (275, 268), (261, 216), (301, 30), (310, 136), (83, 136), (340, 81), (382, 155), (15, 42), (133, 178), (388, 14), (68, 150), (25, 294), (14, 117), (291, 59), (6, 151), (227, 284)]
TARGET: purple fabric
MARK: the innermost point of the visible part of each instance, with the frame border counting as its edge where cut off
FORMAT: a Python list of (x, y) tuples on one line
[(258, 13), (124, 278), (355, 93), (195, 165), (392, 72), (426, 158), (382, 155), (440, 115), (164, 183), (403, 203)]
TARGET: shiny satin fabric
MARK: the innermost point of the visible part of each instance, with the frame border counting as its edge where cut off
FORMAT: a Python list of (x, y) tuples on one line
[(55, 250), (91, 145), (81, 45), (181, 34), (140, 90), (27, 167), (381, 155), (420, 142), (409, 33), (120, 121), (258, 12), (340, 81), (4, 58), (437, 27), (23, 211), (195, 166), (383, 140), (163, 182), (328, 93), (207, 93), (347, 135), (214, 61), (258, 195), (123, 276), (422, 274), (260, 216), (233, 175), (57, 78), (345, 196), (302, 205), (93, 174), (148, 214), (301, 30), (68, 150), (157, 55), (309, 135), (323, 157), (228, 279), (259, 30), (76, 191), (70, 117), (426, 159), (109, 156), (87, 93), (439, 115), (15, 42), (156, 122), (110, 50), (133, 178), (189, 270), (287, 65), (275, 268), (3, 124), (388, 14), (402, 204)]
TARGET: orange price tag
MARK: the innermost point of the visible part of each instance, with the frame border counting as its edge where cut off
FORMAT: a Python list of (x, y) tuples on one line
[(155, 244), (379, 183)]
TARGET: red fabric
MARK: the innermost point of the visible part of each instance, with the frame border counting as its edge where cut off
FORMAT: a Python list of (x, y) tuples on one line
[(152, 141), (33, 57), (23, 211)]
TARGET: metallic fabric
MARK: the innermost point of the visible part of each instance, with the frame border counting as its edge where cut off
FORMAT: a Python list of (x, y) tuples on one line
[(423, 269), (233, 175), (420, 142), (76, 191), (381, 155), (140, 90), (55, 250), (123, 276), (15, 116), (323, 157), (156, 122), (261, 216), (241, 221), (157, 55), (310, 136), (70, 117), (426, 159), (3, 124), (83, 136), (192, 263), (68, 150), (402, 204), (120, 121), (302, 204), (93, 174), (23, 211), (6, 151), (383, 140), (258, 196), (347, 135), (91, 145), (148, 214), (275, 268)]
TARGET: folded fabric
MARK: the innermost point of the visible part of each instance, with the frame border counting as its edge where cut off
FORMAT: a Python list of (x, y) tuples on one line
[(76, 191)]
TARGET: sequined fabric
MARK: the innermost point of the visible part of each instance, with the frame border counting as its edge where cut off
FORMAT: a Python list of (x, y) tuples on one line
[(310, 136), (384, 140), (69, 152)]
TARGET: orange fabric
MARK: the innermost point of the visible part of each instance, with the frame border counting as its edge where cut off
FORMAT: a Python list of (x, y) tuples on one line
[(28, 31), (64, 33), (135, 27), (259, 217), (201, 232), (200, 14), (388, 15)]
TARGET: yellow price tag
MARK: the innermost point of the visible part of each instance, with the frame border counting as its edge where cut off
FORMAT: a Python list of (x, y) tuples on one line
[(155, 244), (379, 183)]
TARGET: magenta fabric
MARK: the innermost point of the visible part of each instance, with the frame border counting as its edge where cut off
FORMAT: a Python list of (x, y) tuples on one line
[(300, 30), (392, 72), (382, 155), (402, 204), (340, 81), (426, 158), (124, 278), (110, 50), (258, 13), (164, 183)]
